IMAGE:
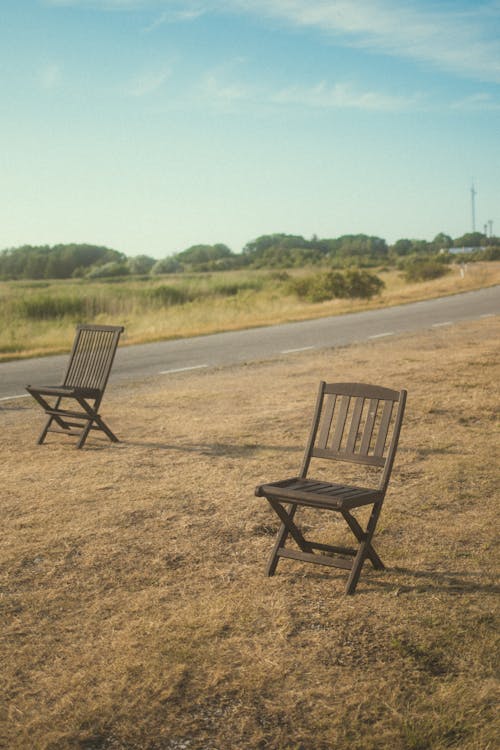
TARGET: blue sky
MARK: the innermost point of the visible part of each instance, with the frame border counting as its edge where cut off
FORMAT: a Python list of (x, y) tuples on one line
[(152, 125)]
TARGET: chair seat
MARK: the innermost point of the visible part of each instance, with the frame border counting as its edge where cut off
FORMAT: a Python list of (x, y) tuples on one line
[(65, 391), (316, 493)]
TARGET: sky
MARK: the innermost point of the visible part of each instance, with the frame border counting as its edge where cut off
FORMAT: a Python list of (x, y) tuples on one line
[(149, 126)]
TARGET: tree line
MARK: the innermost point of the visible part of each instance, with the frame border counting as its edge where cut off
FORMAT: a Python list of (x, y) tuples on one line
[(279, 250)]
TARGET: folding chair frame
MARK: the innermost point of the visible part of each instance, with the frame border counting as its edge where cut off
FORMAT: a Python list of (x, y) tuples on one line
[(85, 380), (352, 422)]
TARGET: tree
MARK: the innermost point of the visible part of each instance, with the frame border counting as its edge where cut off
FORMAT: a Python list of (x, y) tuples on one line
[(204, 253), (471, 239), (402, 247), (442, 241), (166, 265), (140, 264)]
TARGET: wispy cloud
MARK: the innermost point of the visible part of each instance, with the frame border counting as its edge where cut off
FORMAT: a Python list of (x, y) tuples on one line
[(147, 83), (176, 16), (324, 95), (344, 96), (464, 42), (479, 102), (215, 89), (444, 36)]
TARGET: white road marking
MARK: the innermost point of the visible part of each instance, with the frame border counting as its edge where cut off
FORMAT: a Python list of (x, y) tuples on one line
[(11, 398), (445, 323), (487, 315), (182, 369), (381, 335), (300, 349)]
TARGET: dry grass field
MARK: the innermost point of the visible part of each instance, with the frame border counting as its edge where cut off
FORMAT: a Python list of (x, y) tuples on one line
[(223, 301), (135, 610)]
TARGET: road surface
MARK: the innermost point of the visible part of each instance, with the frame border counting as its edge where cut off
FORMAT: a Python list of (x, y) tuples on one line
[(182, 355)]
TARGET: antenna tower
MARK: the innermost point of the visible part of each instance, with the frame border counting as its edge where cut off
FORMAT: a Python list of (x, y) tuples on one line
[(473, 206)]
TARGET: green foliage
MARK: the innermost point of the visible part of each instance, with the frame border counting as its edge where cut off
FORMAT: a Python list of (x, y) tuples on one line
[(294, 251), (274, 251), (362, 284), (140, 264), (425, 268), (57, 262), (330, 284), (471, 239), (107, 270), (405, 247), (203, 253), (166, 265), (442, 241), (489, 253), (359, 246)]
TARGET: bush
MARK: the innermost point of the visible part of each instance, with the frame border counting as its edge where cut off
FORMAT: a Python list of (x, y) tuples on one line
[(166, 265), (114, 268), (362, 284), (330, 284), (424, 269)]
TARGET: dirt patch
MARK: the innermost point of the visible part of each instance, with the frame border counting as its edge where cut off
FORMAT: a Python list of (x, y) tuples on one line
[(136, 613)]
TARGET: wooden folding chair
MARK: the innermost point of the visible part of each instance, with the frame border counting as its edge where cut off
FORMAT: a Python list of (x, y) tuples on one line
[(84, 383), (352, 422)]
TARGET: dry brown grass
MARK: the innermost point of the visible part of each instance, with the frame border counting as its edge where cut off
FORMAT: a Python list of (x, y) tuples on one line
[(136, 612), (34, 337)]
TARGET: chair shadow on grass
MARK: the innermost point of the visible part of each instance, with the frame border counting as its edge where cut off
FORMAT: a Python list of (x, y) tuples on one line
[(447, 581), (444, 582), (213, 449), (428, 581)]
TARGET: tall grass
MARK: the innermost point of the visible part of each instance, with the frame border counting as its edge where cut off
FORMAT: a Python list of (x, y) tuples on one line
[(40, 317)]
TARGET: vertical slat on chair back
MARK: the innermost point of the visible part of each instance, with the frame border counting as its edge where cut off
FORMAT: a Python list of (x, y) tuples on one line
[(356, 422), (92, 356)]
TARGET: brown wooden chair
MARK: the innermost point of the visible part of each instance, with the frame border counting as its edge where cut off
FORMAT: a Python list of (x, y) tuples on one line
[(84, 383), (353, 422)]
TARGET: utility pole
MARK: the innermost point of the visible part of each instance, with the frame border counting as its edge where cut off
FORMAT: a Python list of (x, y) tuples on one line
[(490, 224)]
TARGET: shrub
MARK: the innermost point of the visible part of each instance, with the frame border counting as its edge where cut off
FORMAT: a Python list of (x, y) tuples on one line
[(330, 284), (362, 284), (166, 265), (424, 269), (114, 268)]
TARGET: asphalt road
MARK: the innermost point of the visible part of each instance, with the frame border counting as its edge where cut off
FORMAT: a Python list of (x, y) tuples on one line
[(182, 355)]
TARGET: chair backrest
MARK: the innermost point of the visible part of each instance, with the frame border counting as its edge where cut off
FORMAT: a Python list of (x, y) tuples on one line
[(92, 356), (358, 423)]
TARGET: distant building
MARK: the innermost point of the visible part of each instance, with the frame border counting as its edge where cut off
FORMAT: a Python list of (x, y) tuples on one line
[(459, 250)]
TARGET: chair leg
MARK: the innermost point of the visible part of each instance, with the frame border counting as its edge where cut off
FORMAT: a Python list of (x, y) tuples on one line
[(104, 427), (84, 435), (365, 550), (45, 430), (360, 536), (46, 406), (287, 527), (99, 422)]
